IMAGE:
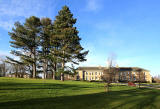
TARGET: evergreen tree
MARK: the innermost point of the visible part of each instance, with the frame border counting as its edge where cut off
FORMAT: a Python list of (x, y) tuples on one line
[(45, 36), (25, 41), (54, 56), (70, 49)]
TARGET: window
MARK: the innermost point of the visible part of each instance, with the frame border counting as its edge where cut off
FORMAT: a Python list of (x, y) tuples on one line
[(96, 78), (92, 78), (128, 79), (95, 73), (124, 77), (86, 78), (92, 73), (120, 76), (86, 73), (99, 73), (134, 73), (134, 78)]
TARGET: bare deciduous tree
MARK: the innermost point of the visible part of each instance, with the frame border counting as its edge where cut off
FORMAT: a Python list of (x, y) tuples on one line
[(110, 72), (156, 79), (140, 76), (18, 68), (3, 68)]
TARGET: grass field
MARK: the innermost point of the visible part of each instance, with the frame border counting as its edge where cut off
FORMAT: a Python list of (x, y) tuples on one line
[(49, 94)]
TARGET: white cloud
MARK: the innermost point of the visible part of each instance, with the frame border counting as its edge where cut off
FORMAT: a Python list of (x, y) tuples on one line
[(3, 54), (6, 25), (93, 5), (24, 8), (15, 10)]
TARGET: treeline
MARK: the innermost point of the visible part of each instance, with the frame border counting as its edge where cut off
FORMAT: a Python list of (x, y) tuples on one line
[(46, 46), (3, 68)]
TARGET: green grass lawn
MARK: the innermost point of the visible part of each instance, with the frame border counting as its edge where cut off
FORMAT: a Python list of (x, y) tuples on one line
[(48, 94)]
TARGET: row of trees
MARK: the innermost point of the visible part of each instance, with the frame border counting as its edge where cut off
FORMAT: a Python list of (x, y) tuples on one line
[(43, 45), (7, 69), (156, 79), (3, 68)]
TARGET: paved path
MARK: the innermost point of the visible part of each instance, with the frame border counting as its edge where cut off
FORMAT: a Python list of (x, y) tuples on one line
[(145, 85), (151, 86)]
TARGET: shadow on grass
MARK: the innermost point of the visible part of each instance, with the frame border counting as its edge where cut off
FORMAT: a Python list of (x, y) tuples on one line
[(126, 99), (34, 86)]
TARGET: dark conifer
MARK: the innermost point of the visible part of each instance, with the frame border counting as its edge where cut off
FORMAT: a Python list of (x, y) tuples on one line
[(70, 49), (45, 46), (25, 41)]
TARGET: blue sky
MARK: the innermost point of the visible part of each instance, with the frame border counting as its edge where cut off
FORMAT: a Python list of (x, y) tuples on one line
[(130, 29)]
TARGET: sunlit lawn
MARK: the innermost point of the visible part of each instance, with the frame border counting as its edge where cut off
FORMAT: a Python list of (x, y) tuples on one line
[(49, 94)]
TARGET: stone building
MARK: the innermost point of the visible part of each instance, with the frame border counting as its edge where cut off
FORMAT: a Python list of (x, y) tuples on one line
[(24, 75), (122, 74)]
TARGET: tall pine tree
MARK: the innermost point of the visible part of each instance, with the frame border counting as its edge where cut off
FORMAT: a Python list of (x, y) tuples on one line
[(25, 41), (45, 37), (70, 49)]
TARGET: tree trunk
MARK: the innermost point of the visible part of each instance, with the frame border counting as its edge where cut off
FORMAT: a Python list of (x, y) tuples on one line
[(34, 70), (44, 76), (45, 69), (54, 72), (30, 70), (62, 73), (62, 76), (34, 63)]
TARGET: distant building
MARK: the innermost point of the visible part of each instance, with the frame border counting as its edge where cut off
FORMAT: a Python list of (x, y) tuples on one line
[(123, 74), (24, 75), (70, 77)]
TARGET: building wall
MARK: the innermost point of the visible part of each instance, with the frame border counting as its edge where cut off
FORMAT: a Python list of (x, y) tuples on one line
[(26, 76), (90, 74), (148, 77), (122, 75), (13, 75), (69, 77)]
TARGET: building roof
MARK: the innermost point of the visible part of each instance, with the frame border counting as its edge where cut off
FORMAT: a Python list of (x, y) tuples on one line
[(121, 68), (91, 68), (132, 69)]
